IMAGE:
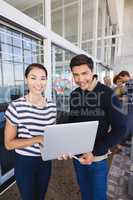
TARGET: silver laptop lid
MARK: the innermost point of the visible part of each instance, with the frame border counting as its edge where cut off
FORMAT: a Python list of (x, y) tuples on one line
[(75, 138)]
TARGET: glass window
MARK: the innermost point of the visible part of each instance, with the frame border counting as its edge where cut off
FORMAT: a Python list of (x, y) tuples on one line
[(7, 53), (27, 43), (88, 46), (88, 19), (8, 73), (34, 45), (36, 12), (27, 57), (56, 3), (70, 1), (62, 77), (57, 21), (0, 75), (6, 36), (32, 8), (19, 73), (71, 23), (17, 54), (34, 58), (100, 16), (17, 39), (99, 49)]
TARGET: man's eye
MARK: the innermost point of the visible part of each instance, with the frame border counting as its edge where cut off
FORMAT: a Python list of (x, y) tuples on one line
[(33, 78), (85, 73)]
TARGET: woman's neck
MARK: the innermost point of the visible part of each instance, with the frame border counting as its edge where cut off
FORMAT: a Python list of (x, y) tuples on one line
[(37, 100)]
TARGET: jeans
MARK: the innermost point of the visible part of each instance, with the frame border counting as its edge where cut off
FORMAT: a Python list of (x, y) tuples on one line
[(32, 176), (92, 179)]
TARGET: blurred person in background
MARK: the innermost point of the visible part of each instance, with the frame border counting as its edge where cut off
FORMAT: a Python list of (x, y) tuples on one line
[(128, 81), (119, 88), (107, 81)]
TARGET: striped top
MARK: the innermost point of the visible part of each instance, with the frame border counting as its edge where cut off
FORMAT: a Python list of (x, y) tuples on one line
[(30, 121)]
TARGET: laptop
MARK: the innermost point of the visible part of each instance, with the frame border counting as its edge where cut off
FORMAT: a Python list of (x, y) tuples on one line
[(74, 138)]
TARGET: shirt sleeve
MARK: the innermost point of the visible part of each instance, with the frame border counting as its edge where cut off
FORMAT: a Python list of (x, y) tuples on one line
[(11, 114)]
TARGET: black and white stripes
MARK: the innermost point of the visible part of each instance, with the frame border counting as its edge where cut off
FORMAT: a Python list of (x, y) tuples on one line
[(30, 121)]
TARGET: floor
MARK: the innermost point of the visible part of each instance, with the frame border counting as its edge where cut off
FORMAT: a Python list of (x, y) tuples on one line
[(63, 184)]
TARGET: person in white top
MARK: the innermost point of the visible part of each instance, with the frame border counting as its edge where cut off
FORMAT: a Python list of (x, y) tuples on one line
[(26, 119)]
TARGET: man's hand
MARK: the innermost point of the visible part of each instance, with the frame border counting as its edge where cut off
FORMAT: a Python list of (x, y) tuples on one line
[(87, 158)]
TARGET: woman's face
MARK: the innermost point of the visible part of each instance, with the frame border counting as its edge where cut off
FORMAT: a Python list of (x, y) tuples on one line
[(119, 83), (36, 81)]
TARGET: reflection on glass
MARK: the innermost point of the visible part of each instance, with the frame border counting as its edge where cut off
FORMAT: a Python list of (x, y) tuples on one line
[(62, 78)]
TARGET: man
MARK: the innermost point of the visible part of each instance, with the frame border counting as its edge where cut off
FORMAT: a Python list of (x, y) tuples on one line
[(89, 103), (126, 78), (107, 81)]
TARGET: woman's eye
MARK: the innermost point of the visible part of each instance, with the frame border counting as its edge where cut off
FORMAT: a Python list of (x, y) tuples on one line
[(33, 78)]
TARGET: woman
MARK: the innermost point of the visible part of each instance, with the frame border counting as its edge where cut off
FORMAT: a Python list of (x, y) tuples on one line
[(26, 119), (119, 90)]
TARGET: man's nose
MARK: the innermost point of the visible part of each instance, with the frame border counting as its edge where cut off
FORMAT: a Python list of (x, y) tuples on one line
[(80, 78)]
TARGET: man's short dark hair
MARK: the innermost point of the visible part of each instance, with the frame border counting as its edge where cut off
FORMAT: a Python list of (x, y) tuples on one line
[(81, 60), (124, 73)]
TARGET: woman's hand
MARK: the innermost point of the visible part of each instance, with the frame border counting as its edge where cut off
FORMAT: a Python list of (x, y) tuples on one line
[(12, 142), (65, 156), (38, 139)]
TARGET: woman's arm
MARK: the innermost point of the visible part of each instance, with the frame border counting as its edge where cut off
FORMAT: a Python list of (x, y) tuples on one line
[(12, 142)]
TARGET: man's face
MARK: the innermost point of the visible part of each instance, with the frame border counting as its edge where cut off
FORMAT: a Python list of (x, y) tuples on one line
[(82, 76), (125, 78), (107, 81)]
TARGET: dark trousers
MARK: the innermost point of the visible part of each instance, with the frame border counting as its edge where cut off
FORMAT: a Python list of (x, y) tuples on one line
[(32, 176), (92, 179)]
